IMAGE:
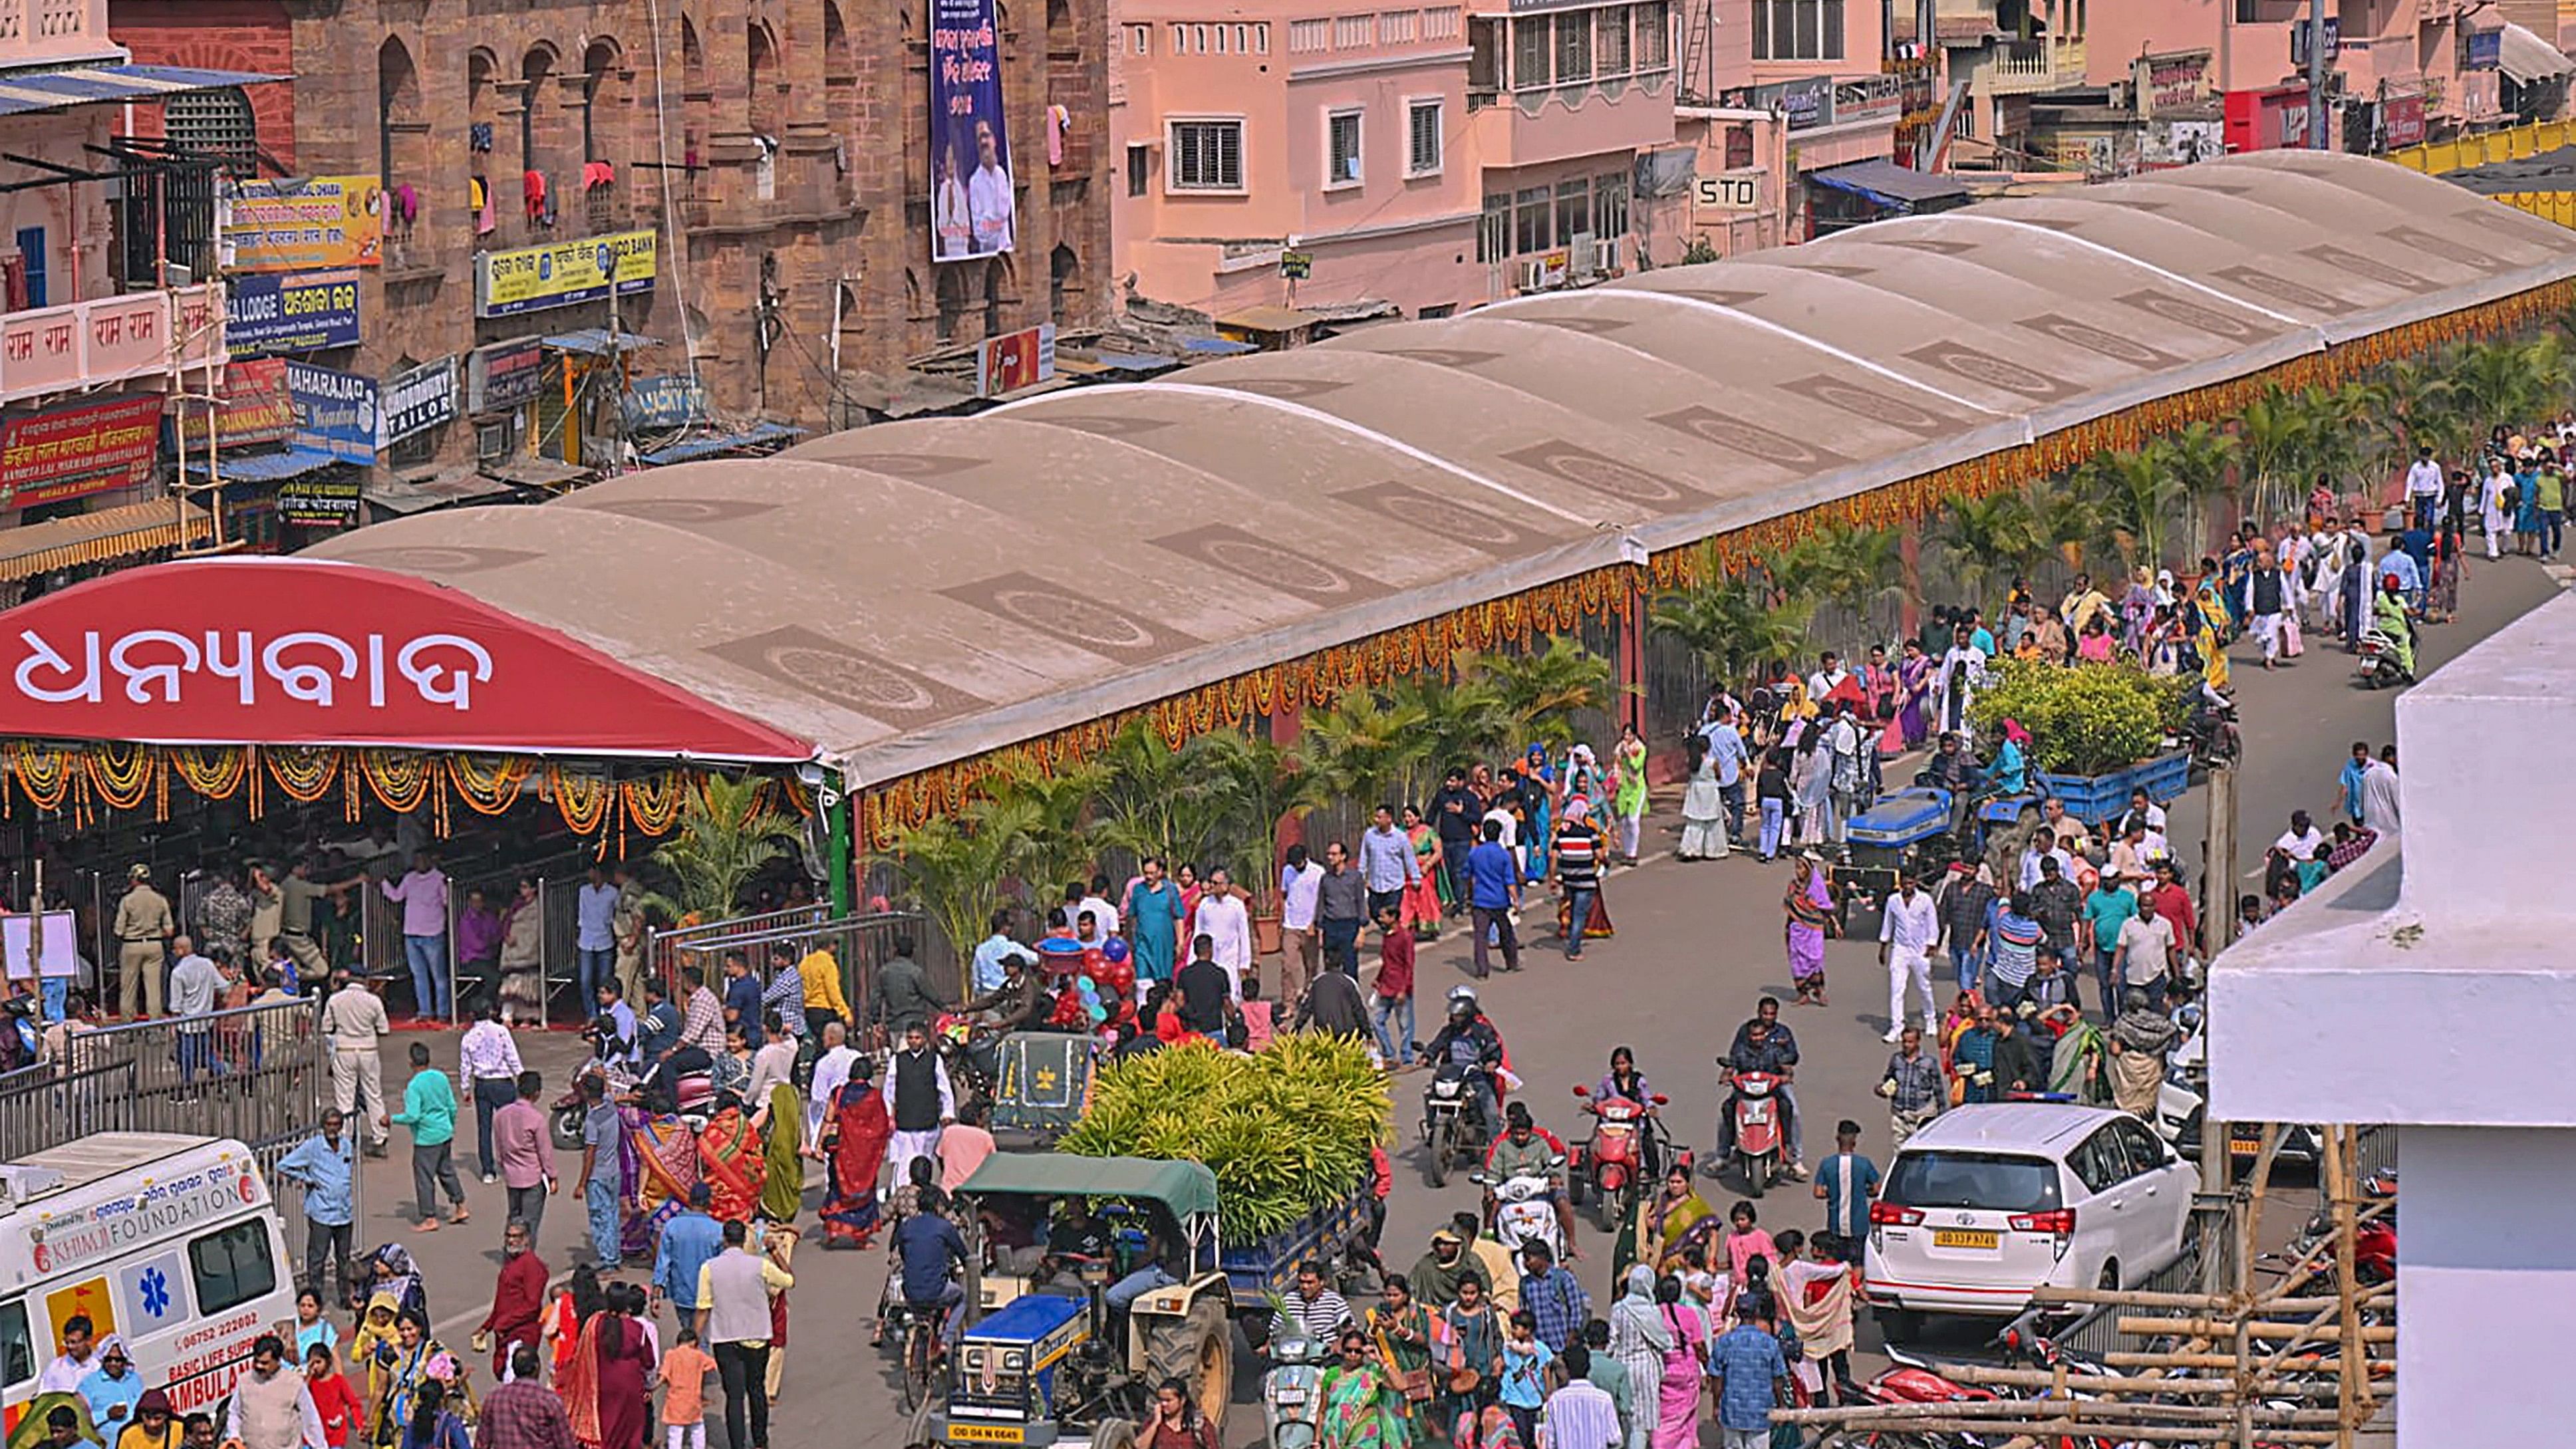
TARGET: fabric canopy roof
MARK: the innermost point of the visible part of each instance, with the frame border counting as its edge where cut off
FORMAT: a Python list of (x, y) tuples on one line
[(1889, 184), (2526, 57), (1188, 1189), (913, 594)]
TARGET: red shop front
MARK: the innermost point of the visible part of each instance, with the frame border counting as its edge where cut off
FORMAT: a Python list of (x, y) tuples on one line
[(2267, 120)]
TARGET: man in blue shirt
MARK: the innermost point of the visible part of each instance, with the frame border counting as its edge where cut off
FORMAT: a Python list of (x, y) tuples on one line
[(1846, 1182), (1726, 749), (1493, 891), (2348, 782), (742, 999), (1752, 1376), (594, 939), (325, 1166), (988, 969), (928, 1247), (689, 1241)]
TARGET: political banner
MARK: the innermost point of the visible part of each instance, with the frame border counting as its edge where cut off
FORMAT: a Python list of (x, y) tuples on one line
[(272, 312), (293, 222), (973, 212)]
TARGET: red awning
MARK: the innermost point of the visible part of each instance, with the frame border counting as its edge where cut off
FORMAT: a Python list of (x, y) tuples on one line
[(304, 652)]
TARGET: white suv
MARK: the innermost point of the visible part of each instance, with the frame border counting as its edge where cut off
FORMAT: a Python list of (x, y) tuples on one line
[(1989, 1202)]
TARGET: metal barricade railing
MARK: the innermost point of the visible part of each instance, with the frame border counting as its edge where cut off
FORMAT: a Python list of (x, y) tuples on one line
[(663, 949), (859, 943), (258, 1075)]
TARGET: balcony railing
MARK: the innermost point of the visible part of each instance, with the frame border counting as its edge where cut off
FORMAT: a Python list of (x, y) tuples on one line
[(2021, 66), (56, 349)]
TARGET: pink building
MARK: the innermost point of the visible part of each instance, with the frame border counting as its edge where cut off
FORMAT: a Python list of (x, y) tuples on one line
[(1436, 157), (2413, 58)]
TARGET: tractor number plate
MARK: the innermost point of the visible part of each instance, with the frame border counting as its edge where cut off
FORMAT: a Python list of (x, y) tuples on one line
[(986, 1434), (2244, 1145), (1966, 1238)]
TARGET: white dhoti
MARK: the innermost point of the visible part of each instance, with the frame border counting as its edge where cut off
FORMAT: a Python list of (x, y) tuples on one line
[(1904, 968), (903, 1147)]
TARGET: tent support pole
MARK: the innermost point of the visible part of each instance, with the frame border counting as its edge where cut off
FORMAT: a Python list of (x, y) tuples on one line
[(844, 887)]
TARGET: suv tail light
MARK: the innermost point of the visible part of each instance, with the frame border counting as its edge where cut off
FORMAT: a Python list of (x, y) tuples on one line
[(1893, 1215), (2061, 1222)]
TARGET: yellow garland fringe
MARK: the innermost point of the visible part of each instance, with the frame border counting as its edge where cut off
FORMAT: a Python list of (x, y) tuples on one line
[(1317, 679)]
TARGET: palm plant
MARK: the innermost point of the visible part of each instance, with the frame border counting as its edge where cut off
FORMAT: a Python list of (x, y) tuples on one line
[(955, 870), (724, 836), (1362, 749), (2201, 461), (1260, 783), (1542, 689), (1989, 539), (2138, 494), (1734, 623), (2416, 392), (1159, 801), (2275, 436), (2068, 515), (1053, 848), (1853, 566), (1463, 718)]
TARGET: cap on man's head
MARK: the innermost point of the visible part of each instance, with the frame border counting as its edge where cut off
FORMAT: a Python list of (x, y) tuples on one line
[(138, 871)]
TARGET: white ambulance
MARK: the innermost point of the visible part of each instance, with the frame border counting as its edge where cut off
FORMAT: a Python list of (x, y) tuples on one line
[(167, 1241)]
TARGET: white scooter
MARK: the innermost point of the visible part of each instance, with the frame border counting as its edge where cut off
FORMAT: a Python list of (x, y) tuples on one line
[(1525, 1211)]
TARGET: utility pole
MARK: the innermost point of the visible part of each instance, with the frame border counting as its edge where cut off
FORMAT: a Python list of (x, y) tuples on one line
[(2316, 75), (616, 368)]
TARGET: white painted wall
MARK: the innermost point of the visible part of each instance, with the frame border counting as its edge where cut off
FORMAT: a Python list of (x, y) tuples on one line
[(2486, 1287)]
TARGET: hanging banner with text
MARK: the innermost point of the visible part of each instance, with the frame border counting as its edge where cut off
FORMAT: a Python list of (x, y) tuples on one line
[(972, 208), (252, 407), (531, 279), (275, 312), (335, 412), (83, 448), (293, 222)]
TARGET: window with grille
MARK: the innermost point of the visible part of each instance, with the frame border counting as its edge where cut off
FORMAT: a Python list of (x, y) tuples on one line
[(1207, 155), (1529, 53), (1574, 47), (1610, 41), (1530, 230), (1797, 29), (217, 122), (1494, 233), (1308, 36), (1396, 27), (1440, 24), (1342, 148), (1654, 44), (1610, 206), (1422, 138), (1352, 32)]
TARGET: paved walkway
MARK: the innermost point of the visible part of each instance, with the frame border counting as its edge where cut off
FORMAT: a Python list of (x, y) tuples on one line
[(1696, 945)]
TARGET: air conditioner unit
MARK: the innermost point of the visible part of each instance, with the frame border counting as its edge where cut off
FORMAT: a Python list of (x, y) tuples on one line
[(495, 441), (1606, 256), (1586, 256), (1534, 276)]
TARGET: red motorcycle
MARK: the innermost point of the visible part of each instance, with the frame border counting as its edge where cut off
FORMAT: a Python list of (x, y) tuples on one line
[(1611, 1165)]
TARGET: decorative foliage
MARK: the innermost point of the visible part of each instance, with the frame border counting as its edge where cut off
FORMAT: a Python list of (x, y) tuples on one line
[(2090, 719), (726, 833)]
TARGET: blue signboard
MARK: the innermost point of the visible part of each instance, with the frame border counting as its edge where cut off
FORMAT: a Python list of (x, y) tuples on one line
[(673, 400), (273, 312), (335, 412)]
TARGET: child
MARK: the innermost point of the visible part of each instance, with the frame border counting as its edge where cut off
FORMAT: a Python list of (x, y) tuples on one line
[(684, 1399), (1256, 1014), (1525, 1365), (335, 1402), (1745, 1241)]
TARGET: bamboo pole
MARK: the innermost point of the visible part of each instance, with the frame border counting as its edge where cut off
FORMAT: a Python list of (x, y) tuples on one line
[(2221, 1362), (2096, 1411), (2258, 1328), (2106, 1383), (2207, 1302)]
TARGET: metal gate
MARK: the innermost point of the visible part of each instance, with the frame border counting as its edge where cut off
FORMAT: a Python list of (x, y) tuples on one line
[(258, 1075)]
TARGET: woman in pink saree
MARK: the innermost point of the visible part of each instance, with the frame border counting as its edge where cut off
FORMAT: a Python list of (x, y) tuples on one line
[(1677, 1406)]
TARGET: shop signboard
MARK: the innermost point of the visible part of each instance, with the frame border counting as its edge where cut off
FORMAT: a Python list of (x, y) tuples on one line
[(657, 404), (419, 399), (290, 223), (532, 279), (272, 312), (252, 408), (335, 412), (1728, 191), (2402, 117), (326, 500), (78, 449), (2170, 80), (973, 210), (1808, 103), (504, 375), (1014, 360)]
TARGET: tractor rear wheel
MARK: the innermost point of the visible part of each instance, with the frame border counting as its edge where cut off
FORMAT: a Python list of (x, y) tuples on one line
[(1114, 1434), (1198, 1349)]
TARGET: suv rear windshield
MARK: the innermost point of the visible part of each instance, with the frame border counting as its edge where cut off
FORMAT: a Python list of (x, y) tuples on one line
[(1972, 1180)]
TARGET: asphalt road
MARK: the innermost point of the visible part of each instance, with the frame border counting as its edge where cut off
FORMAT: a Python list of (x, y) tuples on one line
[(1696, 945)]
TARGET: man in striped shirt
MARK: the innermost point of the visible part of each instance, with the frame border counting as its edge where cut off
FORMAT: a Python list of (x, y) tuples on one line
[(2017, 935), (1581, 1415), (1310, 1310), (1578, 872)]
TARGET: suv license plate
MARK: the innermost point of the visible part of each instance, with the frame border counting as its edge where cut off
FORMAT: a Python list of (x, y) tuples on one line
[(1966, 1238)]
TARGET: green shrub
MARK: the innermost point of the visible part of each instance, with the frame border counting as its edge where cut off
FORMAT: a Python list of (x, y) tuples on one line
[(2084, 719)]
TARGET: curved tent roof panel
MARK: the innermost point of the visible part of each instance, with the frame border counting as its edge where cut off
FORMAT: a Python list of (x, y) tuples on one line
[(913, 594)]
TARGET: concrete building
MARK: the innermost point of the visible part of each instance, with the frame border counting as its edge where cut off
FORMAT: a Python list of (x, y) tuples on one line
[(104, 310), (2429, 986), (1433, 157), (759, 172)]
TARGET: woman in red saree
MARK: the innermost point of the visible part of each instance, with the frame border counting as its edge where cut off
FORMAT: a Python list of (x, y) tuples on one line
[(854, 1146), (731, 1163)]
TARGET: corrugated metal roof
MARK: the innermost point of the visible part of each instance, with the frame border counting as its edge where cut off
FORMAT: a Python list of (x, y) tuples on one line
[(82, 85)]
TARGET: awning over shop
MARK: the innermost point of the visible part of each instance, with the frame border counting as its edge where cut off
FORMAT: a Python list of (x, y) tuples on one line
[(268, 467), (1888, 184), (758, 435), (593, 342), (401, 497), (546, 473), (55, 89), (2526, 57), (119, 532), (904, 598)]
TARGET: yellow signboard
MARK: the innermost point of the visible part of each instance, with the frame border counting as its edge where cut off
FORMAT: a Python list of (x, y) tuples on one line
[(530, 279), (294, 222)]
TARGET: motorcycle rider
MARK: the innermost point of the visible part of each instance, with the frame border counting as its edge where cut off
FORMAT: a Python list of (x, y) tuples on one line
[(2388, 617), (1763, 1044), (1018, 1003), (1524, 1150), (1953, 769), (1628, 1084), (1470, 1041)]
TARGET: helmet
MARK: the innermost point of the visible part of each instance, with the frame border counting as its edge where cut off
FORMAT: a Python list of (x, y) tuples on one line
[(1462, 1000)]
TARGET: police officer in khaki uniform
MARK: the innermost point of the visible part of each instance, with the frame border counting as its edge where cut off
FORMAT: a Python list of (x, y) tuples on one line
[(353, 1022), (144, 927), (267, 915)]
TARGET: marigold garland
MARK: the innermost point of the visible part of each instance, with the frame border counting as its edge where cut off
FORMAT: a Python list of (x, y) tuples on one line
[(654, 803), (45, 774), (583, 799), (489, 784), (121, 775), (217, 774), (305, 773)]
